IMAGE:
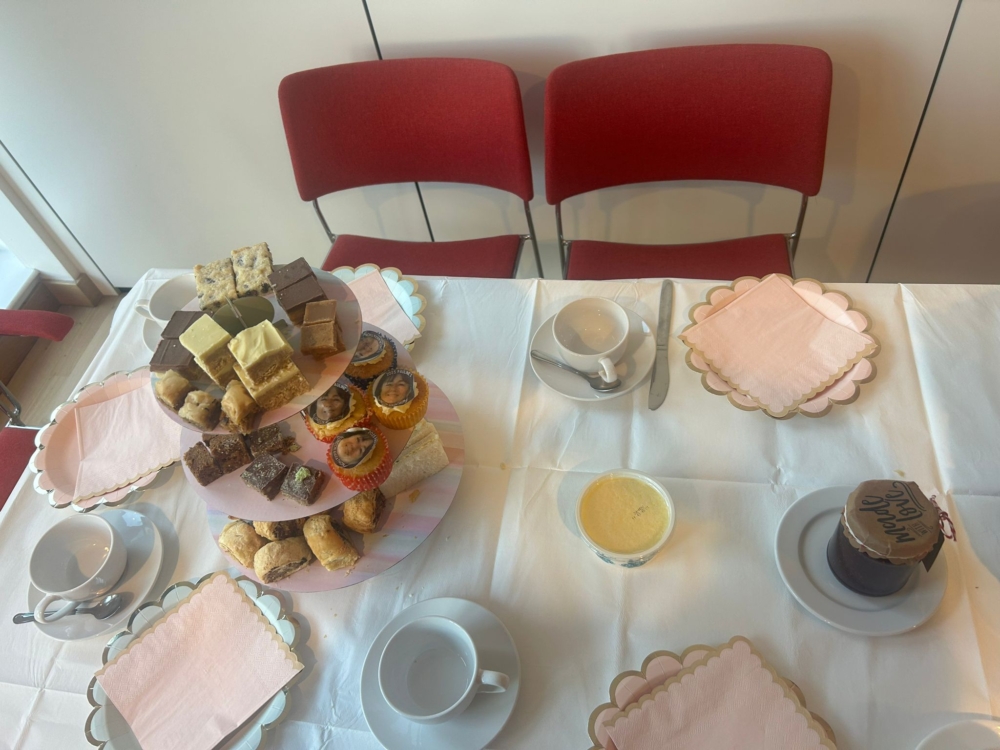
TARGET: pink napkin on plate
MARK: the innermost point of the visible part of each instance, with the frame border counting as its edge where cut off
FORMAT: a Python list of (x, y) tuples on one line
[(771, 345), (122, 440), (729, 699), (200, 672), (381, 309)]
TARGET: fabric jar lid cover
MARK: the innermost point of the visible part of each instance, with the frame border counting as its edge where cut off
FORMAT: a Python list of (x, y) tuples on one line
[(891, 520)]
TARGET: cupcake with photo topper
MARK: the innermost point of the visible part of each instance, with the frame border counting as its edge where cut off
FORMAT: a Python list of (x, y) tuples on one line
[(360, 458), (398, 398), (340, 408), (375, 354)]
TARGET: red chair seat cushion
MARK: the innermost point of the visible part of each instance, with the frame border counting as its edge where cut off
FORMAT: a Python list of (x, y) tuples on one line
[(489, 257), (723, 261), (38, 323), (16, 446)]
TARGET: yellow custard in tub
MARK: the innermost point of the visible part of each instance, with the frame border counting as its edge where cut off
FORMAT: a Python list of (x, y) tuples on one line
[(624, 515)]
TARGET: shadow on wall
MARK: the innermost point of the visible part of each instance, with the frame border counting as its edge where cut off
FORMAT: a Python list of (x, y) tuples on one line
[(942, 237)]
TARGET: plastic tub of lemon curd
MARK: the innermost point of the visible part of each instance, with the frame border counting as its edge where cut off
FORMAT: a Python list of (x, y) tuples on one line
[(625, 517)]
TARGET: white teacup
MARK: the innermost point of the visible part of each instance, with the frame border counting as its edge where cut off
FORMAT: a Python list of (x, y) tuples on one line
[(592, 334), (429, 671), (168, 299), (78, 559)]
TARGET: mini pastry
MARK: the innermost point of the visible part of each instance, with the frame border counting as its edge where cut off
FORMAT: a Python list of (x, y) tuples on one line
[(208, 341), (215, 283), (284, 385), (294, 297), (261, 351), (302, 484), (886, 529), (264, 475), (320, 340), (252, 266), (172, 388), (277, 560), (289, 273), (200, 409), (278, 530), (239, 410), (179, 322), (229, 451), (340, 408), (170, 355), (363, 512), (375, 354), (324, 311), (267, 440), (423, 456), (360, 458), (329, 545), (398, 398), (239, 540), (201, 464)]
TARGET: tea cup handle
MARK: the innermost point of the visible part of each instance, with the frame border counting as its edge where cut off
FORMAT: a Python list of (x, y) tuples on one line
[(61, 612), (492, 682), (606, 369), (142, 307)]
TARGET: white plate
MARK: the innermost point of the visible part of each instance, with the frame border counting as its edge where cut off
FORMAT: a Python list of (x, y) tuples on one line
[(145, 555), (632, 369), (974, 734), (800, 549), (475, 727), (151, 332), (105, 727)]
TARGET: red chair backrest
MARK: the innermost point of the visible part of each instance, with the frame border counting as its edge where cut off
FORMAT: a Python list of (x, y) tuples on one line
[(742, 112), (414, 120), (17, 444)]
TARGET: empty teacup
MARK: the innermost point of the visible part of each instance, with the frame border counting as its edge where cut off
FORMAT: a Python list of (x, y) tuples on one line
[(429, 671), (168, 299), (78, 559), (592, 334)]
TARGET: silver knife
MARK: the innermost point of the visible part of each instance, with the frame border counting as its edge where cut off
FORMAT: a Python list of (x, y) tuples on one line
[(660, 381)]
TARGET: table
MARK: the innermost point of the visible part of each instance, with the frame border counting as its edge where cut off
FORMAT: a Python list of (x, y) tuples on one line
[(932, 415)]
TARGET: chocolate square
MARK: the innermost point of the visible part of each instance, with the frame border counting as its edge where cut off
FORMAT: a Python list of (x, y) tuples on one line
[(288, 274), (294, 298), (265, 475), (302, 484), (170, 355), (179, 322), (201, 464), (267, 440), (229, 451)]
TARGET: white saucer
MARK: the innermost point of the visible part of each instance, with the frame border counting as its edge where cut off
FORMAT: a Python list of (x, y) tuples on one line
[(632, 369), (151, 332), (974, 734), (145, 555), (800, 549), (475, 727)]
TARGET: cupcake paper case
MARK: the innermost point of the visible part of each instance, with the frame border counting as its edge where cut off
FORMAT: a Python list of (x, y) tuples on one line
[(398, 398), (360, 458), (357, 413), (375, 354)]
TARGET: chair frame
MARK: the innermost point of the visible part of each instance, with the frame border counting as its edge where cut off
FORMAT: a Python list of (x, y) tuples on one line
[(791, 240), (517, 261), (14, 412)]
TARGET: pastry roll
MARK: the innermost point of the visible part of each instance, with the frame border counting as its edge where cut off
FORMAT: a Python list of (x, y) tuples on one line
[(278, 530), (363, 512), (201, 410), (241, 542), (172, 388), (238, 408), (329, 544), (277, 560)]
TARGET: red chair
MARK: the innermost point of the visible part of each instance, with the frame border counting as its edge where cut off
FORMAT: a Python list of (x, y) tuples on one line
[(17, 442), (416, 120), (741, 112)]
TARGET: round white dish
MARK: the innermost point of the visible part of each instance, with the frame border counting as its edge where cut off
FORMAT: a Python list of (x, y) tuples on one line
[(145, 556), (971, 734), (800, 550), (105, 727), (474, 728), (633, 367), (151, 332), (403, 288), (320, 374)]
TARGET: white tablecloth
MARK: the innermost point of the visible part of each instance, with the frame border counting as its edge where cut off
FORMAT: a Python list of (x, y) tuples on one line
[(932, 415)]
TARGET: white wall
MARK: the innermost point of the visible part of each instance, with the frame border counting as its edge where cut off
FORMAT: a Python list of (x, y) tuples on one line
[(946, 223), (153, 128)]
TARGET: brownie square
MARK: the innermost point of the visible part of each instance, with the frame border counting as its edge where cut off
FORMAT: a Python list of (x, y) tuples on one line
[(179, 322), (320, 312), (288, 274), (201, 464), (265, 475), (229, 451), (302, 484), (319, 340), (266, 440)]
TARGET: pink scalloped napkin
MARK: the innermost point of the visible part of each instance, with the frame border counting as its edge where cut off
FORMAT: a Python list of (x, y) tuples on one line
[(729, 699), (200, 672), (772, 346), (381, 309), (122, 440)]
